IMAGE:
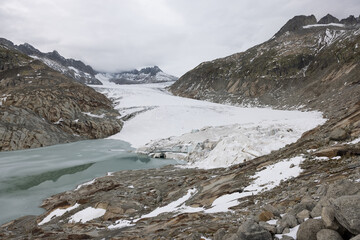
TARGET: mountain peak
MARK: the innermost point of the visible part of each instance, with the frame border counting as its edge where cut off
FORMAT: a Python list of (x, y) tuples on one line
[(351, 20), (297, 23), (151, 70), (328, 19)]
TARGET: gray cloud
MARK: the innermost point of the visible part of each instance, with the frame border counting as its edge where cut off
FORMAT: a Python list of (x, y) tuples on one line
[(177, 35)]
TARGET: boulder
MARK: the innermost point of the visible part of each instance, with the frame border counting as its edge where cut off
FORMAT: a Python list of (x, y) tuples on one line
[(304, 214), (328, 217), (328, 234), (288, 221), (269, 227), (357, 237), (219, 234), (309, 229), (347, 212), (265, 216), (250, 230)]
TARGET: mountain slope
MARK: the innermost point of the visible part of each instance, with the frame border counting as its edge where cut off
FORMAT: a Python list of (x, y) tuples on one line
[(145, 75), (40, 106), (72, 68), (314, 65)]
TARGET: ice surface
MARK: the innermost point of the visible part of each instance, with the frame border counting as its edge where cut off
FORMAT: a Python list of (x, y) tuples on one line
[(166, 115)]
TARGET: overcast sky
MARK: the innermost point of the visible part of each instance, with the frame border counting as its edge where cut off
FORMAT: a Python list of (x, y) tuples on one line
[(176, 35)]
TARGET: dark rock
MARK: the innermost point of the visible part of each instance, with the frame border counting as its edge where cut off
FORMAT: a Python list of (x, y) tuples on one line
[(250, 230), (328, 19), (328, 234), (347, 212), (309, 229), (351, 20)]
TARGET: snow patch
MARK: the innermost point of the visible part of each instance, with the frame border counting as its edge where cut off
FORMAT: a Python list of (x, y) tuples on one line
[(292, 233), (86, 215), (94, 115), (121, 224), (324, 25), (58, 213), (176, 206), (86, 183), (355, 141)]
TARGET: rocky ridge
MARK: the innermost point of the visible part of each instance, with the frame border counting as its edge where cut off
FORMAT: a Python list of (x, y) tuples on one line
[(41, 107), (322, 202), (70, 67)]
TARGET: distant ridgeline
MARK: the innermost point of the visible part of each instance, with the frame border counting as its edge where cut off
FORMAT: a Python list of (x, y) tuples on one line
[(307, 63), (83, 73)]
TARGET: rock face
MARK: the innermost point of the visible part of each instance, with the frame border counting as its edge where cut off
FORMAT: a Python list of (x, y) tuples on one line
[(296, 23), (351, 20), (328, 19), (299, 67), (40, 106), (70, 67), (145, 75)]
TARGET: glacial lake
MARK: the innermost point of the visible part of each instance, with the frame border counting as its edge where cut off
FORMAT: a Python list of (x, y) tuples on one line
[(29, 176)]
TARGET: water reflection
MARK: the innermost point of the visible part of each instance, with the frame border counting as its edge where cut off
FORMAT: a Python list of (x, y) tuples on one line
[(29, 176)]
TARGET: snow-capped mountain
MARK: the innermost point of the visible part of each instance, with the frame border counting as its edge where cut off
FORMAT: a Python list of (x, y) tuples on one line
[(70, 67), (144, 75)]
